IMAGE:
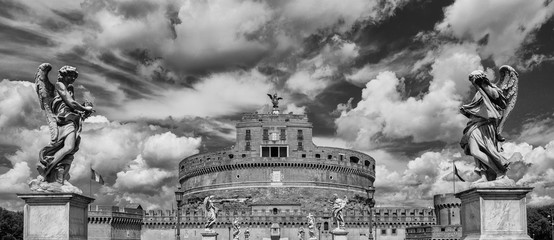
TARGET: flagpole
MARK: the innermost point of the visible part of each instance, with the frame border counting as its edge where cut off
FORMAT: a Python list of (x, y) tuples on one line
[(90, 181), (454, 175)]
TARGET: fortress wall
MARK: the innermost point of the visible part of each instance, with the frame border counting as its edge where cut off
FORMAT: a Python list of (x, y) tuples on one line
[(256, 233), (273, 176)]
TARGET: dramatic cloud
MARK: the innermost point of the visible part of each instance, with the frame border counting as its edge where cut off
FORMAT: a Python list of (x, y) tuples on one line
[(500, 26), (216, 95), (313, 75), (424, 177), (431, 173), (18, 105), (538, 132), (384, 113)]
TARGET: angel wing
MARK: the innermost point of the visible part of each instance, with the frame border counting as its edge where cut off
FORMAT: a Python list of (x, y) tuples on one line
[(206, 205), (44, 88), (270, 97), (508, 83), (279, 98)]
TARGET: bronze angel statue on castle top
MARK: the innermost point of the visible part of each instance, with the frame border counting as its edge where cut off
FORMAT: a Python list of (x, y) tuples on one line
[(487, 113), (65, 117)]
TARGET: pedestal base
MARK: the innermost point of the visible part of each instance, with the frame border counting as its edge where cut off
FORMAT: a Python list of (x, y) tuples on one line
[(339, 234), (494, 213), (55, 216), (209, 235)]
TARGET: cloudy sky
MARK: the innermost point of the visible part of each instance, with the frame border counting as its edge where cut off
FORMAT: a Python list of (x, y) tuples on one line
[(171, 78)]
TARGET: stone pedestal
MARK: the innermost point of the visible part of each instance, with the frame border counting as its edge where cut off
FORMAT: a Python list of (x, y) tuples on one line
[(209, 235), (494, 213), (339, 234), (55, 216)]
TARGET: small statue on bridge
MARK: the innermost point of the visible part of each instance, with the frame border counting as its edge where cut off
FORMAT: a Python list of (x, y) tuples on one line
[(236, 229), (311, 226), (338, 206), (210, 212)]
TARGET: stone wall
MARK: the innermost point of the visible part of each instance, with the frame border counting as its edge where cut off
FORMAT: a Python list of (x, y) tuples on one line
[(111, 222)]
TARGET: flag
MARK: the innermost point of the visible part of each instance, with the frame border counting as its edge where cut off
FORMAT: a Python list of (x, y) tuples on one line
[(458, 174), (96, 177)]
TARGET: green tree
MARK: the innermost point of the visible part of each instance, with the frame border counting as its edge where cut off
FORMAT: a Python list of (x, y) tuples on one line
[(539, 226), (11, 225)]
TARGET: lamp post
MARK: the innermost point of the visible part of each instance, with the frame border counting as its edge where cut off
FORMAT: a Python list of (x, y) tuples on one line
[(179, 200), (319, 230), (370, 203)]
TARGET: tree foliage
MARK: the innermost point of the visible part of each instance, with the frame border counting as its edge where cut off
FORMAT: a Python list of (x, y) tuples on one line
[(538, 223), (11, 225)]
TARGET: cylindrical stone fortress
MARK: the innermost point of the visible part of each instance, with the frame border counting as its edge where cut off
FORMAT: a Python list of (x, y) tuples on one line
[(278, 175)]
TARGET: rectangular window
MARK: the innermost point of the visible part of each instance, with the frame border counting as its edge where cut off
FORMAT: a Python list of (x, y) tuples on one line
[(300, 135), (248, 136), (300, 146), (394, 231), (274, 152), (383, 231), (283, 152), (265, 135), (283, 134), (247, 147), (265, 151)]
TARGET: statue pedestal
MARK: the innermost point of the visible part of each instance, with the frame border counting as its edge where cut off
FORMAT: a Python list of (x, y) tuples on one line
[(55, 216), (339, 234), (209, 235), (494, 213)]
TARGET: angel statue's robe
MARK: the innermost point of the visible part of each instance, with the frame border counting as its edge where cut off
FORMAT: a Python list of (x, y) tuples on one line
[(68, 121), (485, 112)]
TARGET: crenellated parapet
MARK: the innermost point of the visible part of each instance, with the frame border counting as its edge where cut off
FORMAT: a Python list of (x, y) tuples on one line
[(293, 216), (447, 208), (112, 222)]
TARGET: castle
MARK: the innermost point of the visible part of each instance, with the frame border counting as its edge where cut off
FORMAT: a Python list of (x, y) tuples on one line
[(271, 179)]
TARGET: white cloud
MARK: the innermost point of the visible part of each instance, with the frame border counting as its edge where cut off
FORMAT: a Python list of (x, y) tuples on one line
[(383, 113), (166, 150), (291, 107), (216, 95), (506, 24), (425, 176), (138, 177), (398, 63), (19, 106), (313, 75), (538, 132), (15, 180)]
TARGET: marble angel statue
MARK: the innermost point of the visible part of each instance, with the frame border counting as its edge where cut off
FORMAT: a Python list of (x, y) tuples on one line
[(311, 226), (236, 229), (210, 212), (65, 118), (487, 113), (338, 207)]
